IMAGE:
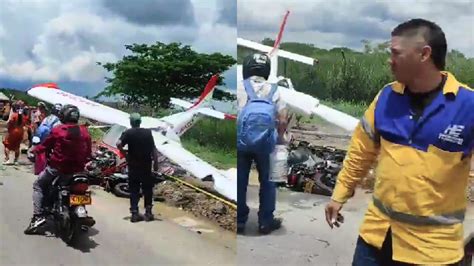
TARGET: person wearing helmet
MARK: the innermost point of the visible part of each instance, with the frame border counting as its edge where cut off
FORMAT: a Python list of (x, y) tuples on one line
[(255, 71), (15, 131), (141, 152), (49, 122), (68, 147)]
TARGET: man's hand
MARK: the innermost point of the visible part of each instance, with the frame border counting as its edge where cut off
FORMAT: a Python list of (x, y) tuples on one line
[(333, 217)]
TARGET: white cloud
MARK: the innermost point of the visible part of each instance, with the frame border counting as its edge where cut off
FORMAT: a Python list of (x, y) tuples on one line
[(61, 41), (345, 23)]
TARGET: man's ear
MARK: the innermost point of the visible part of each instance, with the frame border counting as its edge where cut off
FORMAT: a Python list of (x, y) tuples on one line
[(425, 53)]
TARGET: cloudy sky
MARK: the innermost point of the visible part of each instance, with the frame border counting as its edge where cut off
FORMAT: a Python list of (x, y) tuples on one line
[(61, 41), (336, 23)]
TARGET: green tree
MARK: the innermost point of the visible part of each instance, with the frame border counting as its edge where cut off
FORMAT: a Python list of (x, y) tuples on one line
[(154, 73)]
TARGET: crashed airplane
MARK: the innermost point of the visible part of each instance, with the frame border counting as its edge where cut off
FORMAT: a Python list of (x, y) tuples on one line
[(297, 102), (166, 131)]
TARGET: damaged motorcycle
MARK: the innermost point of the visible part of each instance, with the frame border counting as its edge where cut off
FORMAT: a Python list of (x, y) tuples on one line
[(313, 169)]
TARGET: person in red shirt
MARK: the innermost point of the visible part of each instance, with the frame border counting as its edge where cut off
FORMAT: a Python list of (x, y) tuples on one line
[(68, 147), (14, 137)]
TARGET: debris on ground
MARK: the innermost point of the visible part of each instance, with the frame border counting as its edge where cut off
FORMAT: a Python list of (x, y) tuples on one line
[(313, 168), (324, 141), (199, 204), (189, 199)]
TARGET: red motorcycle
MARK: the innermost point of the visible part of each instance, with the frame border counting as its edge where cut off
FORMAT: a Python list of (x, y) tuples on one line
[(108, 169)]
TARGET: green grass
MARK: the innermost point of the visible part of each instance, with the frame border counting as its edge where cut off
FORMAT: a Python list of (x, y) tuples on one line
[(96, 133), (213, 141), (219, 158), (351, 108), (343, 75)]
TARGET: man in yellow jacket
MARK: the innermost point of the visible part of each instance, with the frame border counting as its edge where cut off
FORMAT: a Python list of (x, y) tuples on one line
[(420, 132)]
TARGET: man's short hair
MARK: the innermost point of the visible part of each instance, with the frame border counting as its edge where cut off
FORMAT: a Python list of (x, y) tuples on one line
[(432, 34)]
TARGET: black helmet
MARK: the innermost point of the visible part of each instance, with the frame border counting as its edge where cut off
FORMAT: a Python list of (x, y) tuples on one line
[(57, 109), (257, 64), (69, 114)]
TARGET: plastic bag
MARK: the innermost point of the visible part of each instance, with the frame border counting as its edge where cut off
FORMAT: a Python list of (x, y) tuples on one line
[(279, 164)]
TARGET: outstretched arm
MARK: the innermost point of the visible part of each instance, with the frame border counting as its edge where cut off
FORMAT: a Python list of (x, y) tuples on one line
[(362, 153)]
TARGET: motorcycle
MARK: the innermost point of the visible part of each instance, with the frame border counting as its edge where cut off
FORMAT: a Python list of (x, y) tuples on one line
[(104, 170), (66, 206), (314, 169), (65, 203)]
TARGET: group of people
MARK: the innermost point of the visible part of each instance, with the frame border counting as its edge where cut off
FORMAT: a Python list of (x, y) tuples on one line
[(66, 147), (419, 131), (22, 121)]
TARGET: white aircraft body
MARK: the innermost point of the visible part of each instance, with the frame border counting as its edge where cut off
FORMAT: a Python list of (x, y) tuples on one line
[(297, 102), (166, 131)]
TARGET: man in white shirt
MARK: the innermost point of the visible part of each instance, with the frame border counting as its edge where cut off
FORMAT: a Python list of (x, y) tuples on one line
[(256, 69)]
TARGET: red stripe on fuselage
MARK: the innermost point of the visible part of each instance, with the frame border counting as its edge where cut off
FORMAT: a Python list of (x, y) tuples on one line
[(50, 85), (209, 87)]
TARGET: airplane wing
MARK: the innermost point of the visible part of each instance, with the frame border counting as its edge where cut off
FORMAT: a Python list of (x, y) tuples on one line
[(225, 182), (52, 94), (202, 110), (281, 53), (182, 103), (336, 117)]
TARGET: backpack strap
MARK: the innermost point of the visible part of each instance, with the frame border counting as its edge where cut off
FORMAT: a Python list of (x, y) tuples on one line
[(272, 92), (249, 90)]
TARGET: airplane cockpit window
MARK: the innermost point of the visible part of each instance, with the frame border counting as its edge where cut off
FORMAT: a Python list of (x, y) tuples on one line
[(111, 137)]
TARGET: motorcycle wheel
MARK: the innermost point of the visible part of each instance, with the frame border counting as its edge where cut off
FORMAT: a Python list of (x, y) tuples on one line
[(121, 190), (321, 188), (68, 230)]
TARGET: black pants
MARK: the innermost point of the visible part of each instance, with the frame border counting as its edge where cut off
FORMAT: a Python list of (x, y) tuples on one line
[(138, 178)]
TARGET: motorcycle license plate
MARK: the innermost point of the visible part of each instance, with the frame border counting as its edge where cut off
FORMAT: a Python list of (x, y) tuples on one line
[(80, 199)]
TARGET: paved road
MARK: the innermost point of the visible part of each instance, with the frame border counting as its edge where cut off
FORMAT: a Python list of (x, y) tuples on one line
[(179, 239), (305, 238)]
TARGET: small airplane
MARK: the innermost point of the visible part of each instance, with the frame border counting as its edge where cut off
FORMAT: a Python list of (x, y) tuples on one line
[(166, 131), (297, 102)]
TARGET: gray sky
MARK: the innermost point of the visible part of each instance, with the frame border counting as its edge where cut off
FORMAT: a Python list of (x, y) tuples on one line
[(336, 23), (61, 41)]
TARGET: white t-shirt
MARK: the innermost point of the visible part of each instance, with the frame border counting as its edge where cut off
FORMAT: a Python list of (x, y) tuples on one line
[(262, 88)]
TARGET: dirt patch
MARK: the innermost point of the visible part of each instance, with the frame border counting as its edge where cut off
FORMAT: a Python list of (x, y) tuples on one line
[(322, 135), (199, 204), (191, 200)]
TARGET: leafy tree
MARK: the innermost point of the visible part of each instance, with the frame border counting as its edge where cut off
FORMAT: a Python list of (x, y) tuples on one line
[(154, 73)]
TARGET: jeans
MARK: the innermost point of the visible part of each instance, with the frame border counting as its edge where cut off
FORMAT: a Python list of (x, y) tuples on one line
[(267, 194), (136, 179), (367, 255), (41, 187)]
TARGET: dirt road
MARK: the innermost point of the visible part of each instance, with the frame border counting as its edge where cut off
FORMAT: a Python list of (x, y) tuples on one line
[(179, 239)]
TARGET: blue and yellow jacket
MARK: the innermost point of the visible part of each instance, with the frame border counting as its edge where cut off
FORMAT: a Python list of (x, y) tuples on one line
[(422, 170)]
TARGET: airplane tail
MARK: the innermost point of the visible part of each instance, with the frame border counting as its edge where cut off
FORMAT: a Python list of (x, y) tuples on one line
[(206, 96), (204, 99), (185, 120), (276, 44)]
